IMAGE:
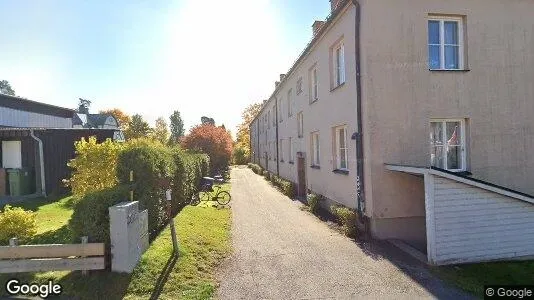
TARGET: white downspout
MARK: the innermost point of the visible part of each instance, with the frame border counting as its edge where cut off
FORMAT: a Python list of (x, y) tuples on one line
[(41, 162)]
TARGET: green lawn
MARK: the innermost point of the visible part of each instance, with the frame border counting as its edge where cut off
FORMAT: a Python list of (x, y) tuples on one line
[(204, 240), (473, 277)]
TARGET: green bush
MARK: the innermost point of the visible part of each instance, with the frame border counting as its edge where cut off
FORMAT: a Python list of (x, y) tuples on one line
[(266, 174), (152, 164), (256, 168), (190, 168), (314, 202), (239, 156), (16, 222), (91, 215), (288, 188), (348, 219), (94, 167)]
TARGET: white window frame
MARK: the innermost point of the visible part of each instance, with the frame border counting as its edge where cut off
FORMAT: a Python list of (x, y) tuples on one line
[(315, 149), (290, 150), (300, 125), (337, 144), (461, 39), (299, 86), (274, 116), (463, 150), (269, 119), (314, 84), (339, 64), (289, 103)]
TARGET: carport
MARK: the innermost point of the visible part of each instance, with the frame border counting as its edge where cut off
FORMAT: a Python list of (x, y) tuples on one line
[(470, 220)]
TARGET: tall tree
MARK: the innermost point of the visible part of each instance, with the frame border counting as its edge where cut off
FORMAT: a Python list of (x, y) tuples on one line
[(207, 120), (122, 117), (161, 131), (5, 88), (177, 127), (83, 106), (243, 130), (137, 128), (212, 140)]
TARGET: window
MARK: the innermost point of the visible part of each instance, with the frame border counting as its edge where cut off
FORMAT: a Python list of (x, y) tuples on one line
[(289, 104), (314, 94), (315, 151), (300, 125), (280, 110), (274, 117), (269, 119), (290, 150), (340, 146), (299, 86), (281, 150), (339, 64), (445, 43), (447, 144)]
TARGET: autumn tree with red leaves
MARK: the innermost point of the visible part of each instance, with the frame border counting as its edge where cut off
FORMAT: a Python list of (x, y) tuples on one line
[(212, 140)]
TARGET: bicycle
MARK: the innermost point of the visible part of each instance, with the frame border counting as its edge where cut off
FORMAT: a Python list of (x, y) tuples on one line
[(205, 195)]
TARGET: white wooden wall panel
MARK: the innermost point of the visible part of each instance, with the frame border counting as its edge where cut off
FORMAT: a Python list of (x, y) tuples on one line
[(471, 224), (18, 118)]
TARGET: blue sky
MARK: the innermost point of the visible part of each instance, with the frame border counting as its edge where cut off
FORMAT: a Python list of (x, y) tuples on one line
[(151, 57)]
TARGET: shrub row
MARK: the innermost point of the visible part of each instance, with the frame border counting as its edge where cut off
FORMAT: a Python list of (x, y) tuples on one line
[(155, 168), (287, 187), (347, 217), (314, 202), (256, 168)]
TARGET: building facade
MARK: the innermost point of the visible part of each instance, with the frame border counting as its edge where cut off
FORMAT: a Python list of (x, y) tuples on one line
[(440, 84)]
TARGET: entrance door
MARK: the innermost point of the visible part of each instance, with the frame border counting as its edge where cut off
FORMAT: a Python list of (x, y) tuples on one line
[(301, 170)]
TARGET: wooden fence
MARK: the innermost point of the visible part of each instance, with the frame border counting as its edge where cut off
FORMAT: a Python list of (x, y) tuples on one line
[(54, 257)]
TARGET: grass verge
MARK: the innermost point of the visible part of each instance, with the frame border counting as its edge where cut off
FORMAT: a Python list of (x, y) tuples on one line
[(473, 277), (204, 239)]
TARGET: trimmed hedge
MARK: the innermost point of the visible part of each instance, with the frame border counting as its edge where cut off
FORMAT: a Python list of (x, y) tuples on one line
[(91, 215), (190, 168), (15, 222), (152, 164)]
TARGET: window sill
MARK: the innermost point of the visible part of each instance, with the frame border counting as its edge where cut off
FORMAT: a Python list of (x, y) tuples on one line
[(315, 167), (291, 163), (449, 70), (341, 171), (337, 87)]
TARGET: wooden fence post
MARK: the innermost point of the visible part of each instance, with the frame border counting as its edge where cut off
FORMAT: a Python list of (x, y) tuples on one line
[(85, 240)]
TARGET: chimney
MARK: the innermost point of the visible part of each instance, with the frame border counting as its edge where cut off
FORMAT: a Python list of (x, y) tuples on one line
[(282, 76), (334, 4), (317, 25), (276, 84)]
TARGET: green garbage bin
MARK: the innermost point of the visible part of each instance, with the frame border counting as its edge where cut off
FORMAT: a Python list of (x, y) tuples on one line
[(20, 182), (13, 180)]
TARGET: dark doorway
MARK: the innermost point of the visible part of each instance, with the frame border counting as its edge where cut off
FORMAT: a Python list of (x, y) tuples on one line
[(301, 170)]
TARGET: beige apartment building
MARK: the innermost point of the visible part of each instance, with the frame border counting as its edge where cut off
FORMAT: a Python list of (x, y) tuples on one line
[(419, 114)]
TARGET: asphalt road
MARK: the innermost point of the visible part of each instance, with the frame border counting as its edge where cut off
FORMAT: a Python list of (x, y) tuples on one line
[(282, 252)]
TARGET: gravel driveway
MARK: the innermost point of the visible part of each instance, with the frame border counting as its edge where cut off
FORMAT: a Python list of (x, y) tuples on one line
[(282, 252)]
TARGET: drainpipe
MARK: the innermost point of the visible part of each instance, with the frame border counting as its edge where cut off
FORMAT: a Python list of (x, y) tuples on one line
[(358, 136), (276, 142), (41, 162)]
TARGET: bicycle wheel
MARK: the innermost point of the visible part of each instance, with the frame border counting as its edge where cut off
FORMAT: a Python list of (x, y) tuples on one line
[(195, 199), (204, 196), (223, 197)]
